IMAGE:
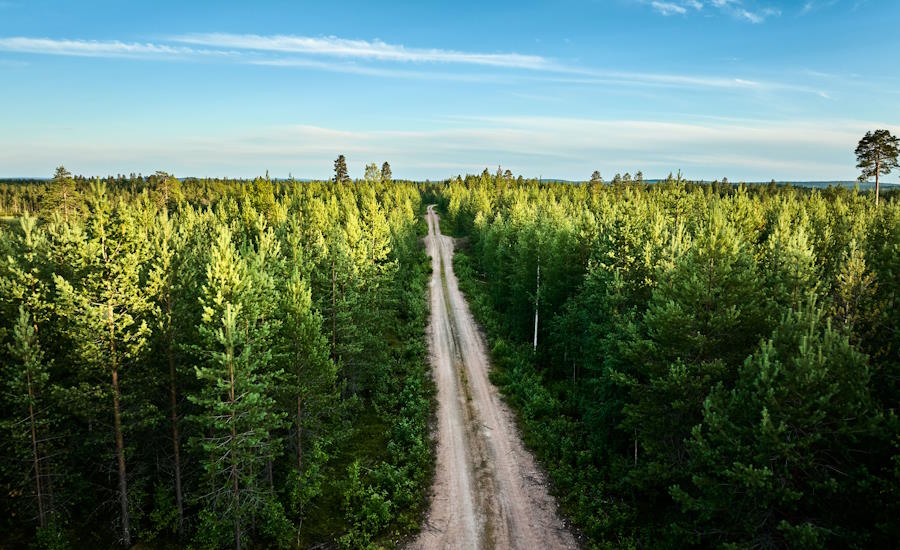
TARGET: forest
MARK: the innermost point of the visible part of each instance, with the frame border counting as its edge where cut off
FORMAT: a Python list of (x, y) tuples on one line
[(710, 366), (212, 363)]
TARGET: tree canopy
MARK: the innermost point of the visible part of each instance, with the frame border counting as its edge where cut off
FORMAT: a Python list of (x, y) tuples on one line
[(876, 155)]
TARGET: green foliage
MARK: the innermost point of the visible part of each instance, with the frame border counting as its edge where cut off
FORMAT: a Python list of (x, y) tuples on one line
[(50, 537), (205, 356), (340, 170), (877, 153), (788, 438), (716, 365), (367, 510), (695, 342)]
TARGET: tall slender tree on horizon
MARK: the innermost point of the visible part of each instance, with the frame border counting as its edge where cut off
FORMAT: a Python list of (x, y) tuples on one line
[(340, 170), (876, 155)]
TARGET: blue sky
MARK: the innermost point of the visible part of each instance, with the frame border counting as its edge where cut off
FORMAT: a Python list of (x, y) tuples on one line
[(745, 89)]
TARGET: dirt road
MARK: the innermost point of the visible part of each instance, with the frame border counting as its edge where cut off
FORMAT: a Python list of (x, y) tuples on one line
[(487, 491)]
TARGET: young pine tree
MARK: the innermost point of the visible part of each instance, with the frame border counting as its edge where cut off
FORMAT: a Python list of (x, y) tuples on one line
[(106, 307), (168, 244), (372, 175), (778, 459), (237, 414), (28, 426), (701, 322), (303, 349)]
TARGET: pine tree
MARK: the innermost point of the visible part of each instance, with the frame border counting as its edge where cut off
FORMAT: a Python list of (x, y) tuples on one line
[(372, 175), (876, 155), (167, 242), (166, 189), (340, 170), (788, 262), (237, 412), (386, 176), (62, 196), (303, 347), (27, 380), (310, 372), (789, 439), (26, 272), (703, 319), (106, 307)]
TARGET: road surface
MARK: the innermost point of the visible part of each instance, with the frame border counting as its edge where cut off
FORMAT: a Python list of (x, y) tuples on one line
[(488, 492)]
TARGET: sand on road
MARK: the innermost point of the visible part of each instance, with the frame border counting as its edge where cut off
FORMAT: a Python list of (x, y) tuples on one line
[(488, 491)]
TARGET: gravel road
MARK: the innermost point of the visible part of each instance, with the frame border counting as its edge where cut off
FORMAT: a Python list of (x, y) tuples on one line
[(488, 492)]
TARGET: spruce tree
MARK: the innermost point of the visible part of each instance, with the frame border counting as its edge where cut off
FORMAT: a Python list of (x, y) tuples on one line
[(386, 176)]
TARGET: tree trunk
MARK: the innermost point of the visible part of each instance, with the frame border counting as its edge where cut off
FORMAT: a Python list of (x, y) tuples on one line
[(333, 312), (877, 187), (537, 291), (120, 455), (48, 475), (299, 435), (173, 398), (234, 472), (34, 449), (635, 447), (117, 423)]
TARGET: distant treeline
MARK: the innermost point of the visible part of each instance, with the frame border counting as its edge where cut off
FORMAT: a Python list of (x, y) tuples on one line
[(18, 195)]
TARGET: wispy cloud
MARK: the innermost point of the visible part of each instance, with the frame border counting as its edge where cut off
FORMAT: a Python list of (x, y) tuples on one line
[(100, 48), (747, 10), (379, 59), (382, 72), (333, 46), (668, 8), (758, 16), (815, 5)]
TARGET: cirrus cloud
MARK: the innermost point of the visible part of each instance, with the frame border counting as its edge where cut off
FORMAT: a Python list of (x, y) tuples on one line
[(739, 9)]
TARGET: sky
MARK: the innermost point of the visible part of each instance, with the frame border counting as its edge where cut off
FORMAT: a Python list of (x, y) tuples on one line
[(751, 90)]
